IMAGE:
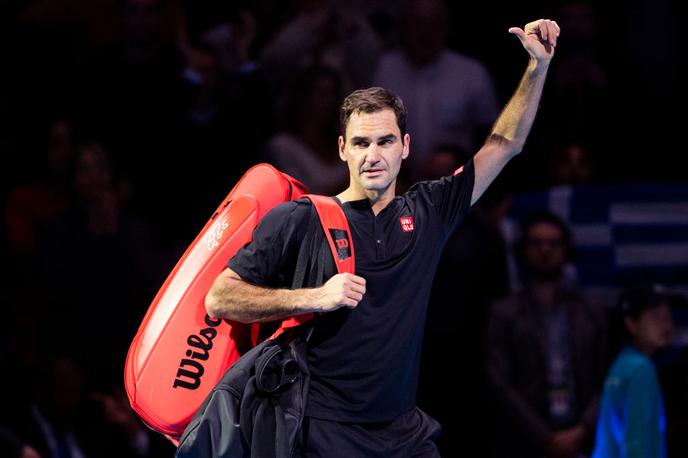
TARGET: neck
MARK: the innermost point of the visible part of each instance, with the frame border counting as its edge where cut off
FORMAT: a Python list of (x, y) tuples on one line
[(378, 199), (545, 291), (644, 347)]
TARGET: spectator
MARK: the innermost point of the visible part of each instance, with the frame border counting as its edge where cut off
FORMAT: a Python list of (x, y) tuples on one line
[(545, 362), (450, 96), (50, 192), (322, 33), (572, 164), (64, 420), (632, 420), (88, 253), (304, 148)]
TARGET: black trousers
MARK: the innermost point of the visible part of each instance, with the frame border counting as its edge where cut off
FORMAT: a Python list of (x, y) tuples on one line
[(411, 434)]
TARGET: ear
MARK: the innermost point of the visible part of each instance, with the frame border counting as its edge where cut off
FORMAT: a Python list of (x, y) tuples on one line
[(342, 153), (631, 325), (405, 150)]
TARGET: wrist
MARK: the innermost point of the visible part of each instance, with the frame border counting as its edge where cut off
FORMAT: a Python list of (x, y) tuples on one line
[(304, 300), (537, 66)]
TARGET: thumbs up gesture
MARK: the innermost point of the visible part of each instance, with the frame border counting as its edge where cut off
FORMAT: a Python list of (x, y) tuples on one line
[(539, 38)]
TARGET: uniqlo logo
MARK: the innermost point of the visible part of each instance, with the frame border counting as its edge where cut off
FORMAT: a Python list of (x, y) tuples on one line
[(406, 223)]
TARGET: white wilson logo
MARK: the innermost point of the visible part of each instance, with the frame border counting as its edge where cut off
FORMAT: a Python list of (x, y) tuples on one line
[(212, 238)]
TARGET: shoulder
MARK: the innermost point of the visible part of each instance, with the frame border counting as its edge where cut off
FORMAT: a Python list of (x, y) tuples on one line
[(633, 365), (466, 171), (641, 366), (285, 214), (291, 209)]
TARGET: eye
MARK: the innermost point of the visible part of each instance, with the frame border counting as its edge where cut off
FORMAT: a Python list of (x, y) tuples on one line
[(361, 144)]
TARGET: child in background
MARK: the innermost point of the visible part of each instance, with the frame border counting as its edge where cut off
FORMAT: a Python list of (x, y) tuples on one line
[(631, 422)]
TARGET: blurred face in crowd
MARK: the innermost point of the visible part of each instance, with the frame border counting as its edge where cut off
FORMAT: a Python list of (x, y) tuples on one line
[(579, 19), (424, 29), (322, 101), (373, 150), (544, 251), (652, 329), (142, 20), (93, 173), (573, 166)]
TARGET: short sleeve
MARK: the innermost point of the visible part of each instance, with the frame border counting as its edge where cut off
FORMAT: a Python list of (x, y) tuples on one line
[(449, 196), (264, 261)]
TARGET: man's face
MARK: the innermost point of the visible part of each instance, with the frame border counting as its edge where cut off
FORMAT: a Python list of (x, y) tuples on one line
[(373, 150), (545, 250)]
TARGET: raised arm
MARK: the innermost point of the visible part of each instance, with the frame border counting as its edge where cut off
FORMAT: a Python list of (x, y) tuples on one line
[(232, 298), (511, 129)]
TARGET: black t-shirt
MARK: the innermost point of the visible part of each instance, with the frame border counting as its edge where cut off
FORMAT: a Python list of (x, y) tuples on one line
[(365, 361)]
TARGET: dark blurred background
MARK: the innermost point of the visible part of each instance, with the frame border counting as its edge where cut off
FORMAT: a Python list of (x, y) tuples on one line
[(125, 123)]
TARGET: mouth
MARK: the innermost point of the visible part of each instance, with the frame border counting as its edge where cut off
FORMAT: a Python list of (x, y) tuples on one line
[(372, 172)]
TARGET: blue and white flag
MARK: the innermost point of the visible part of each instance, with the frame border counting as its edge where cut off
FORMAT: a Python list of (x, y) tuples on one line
[(624, 234)]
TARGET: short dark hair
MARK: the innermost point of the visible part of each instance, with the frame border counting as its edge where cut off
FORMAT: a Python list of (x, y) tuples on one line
[(631, 303), (372, 100), (544, 216)]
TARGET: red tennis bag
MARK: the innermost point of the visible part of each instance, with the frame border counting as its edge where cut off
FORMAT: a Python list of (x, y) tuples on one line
[(179, 352)]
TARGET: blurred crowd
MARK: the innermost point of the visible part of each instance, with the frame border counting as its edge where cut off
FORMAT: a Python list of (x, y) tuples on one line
[(129, 120)]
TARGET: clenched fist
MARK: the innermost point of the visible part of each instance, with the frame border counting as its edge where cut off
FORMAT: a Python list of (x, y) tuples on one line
[(342, 290)]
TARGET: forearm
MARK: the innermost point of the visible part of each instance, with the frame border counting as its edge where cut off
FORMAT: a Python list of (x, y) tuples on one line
[(511, 128), (237, 300), (515, 121)]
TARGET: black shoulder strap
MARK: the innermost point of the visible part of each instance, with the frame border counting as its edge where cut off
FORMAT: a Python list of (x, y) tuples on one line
[(304, 259)]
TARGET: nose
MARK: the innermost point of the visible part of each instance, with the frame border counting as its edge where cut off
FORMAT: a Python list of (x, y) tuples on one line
[(373, 154)]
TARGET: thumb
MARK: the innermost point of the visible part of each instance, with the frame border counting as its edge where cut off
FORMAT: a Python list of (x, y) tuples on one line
[(518, 32)]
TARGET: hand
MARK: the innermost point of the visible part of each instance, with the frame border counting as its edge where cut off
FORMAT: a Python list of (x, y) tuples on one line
[(342, 290), (29, 452), (539, 38), (565, 443), (117, 411)]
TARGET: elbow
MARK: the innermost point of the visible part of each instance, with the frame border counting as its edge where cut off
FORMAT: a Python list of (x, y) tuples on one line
[(212, 305)]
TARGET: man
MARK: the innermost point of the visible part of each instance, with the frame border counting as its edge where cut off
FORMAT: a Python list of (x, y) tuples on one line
[(545, 358), (365, 350)]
